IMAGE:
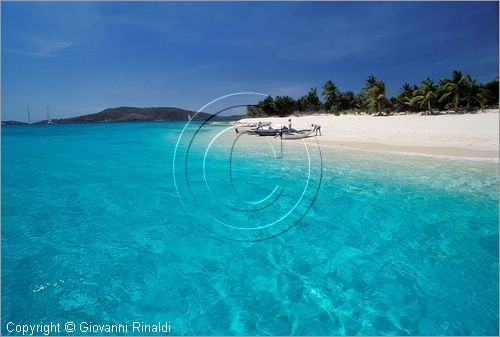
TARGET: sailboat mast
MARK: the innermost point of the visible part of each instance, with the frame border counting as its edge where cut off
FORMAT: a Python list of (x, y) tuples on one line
[(29, 117), (49, 120)]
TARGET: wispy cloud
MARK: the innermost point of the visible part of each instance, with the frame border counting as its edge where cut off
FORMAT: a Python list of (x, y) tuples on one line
[(41, 47), (317, 39)]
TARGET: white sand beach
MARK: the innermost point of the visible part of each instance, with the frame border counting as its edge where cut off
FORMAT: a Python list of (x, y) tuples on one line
[(463, 135)]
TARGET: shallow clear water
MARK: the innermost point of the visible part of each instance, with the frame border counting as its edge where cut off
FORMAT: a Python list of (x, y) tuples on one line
[(93, 229)]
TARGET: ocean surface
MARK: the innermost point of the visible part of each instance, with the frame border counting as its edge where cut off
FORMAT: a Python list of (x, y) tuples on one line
[(221, 233)]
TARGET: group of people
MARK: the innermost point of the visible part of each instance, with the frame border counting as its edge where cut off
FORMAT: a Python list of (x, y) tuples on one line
[(315, 127)]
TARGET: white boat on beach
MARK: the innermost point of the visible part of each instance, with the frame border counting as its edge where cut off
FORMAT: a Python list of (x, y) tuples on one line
[(298, 134), (284, 133), (256, 124)]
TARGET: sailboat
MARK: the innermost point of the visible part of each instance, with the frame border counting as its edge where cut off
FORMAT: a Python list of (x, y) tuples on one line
[(29, 117), (189, 117), (49, 121)]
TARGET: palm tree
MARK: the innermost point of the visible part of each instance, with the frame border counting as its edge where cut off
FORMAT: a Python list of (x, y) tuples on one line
[(361, 101), (309, 102), (473, 93), (376, 92), (370, 81), (407, 90), (330, 93), (405, 96), (491, 92), (453, 87), (312, 99), (425, 94), (284, 105)]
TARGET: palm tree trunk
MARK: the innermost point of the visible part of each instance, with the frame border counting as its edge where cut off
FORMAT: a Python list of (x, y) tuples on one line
[(429, 105), (379, 109), (456, 103)]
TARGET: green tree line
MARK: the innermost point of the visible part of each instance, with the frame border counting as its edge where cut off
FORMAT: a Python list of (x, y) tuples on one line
[(460, 93)]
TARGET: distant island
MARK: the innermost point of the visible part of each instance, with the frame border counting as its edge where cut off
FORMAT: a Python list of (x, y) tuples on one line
[(13, 123), (133, 114)]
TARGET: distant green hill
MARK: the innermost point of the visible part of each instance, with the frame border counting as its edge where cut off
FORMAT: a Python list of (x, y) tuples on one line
[(132, 114), (13, 123)]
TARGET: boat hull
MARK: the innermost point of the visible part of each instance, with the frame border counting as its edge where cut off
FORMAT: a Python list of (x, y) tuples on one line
[(273, 132)]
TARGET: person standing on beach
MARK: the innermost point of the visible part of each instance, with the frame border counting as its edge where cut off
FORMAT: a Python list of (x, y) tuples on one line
[(289, 124), (316, 127)]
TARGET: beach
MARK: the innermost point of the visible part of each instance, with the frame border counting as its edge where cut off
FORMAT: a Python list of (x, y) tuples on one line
[(456, 135)]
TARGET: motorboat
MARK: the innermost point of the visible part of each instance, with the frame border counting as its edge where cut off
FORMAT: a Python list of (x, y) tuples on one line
[(255, 124), (297, 134), (267, 132), (271, 131), (285, 133)]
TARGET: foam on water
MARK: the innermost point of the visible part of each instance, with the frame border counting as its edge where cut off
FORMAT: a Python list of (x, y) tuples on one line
[(93, 230)]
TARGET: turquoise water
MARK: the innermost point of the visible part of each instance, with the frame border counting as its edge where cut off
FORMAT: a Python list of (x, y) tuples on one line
[(94, 229)]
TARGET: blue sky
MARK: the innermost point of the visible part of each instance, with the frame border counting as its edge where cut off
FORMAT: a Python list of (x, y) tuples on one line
[(80, 58)]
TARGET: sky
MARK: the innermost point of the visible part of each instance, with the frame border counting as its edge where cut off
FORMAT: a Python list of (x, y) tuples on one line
[(83, 57)]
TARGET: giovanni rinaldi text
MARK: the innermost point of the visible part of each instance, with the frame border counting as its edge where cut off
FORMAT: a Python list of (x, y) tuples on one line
[(87, 328)]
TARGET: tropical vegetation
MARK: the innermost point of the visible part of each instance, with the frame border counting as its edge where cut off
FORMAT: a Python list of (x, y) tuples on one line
[(459, 93)]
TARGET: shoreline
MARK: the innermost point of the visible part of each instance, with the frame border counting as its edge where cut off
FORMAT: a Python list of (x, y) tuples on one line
[(445, 152), (468, 136)]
